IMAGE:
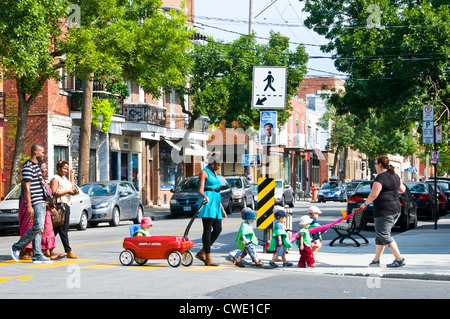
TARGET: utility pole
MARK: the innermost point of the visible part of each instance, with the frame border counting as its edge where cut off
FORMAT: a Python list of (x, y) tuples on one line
[(251, 18)]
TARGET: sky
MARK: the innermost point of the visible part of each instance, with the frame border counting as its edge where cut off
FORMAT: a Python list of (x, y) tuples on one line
[(284, 16)]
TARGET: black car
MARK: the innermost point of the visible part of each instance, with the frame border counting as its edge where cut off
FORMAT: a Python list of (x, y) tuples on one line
[(186, 200), (445, 184), (424, 196), (351, 186), (408, 218)]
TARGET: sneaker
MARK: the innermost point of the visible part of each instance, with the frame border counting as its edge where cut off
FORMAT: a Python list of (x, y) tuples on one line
[(42, 260), (287, 264), (15, 254), (273, 265)]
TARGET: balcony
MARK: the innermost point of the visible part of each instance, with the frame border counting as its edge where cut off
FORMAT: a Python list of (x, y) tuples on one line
[(146, 113), (114, 100)]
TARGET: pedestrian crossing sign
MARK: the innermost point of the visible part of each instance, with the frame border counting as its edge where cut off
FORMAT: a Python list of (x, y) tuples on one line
[(269, 87)]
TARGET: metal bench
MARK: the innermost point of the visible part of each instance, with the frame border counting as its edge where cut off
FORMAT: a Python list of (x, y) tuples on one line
[(352, 227)]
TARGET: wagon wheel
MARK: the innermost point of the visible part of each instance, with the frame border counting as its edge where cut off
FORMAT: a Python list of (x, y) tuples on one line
[(174, 259), (187, 258), (140, 261), (126, 257)]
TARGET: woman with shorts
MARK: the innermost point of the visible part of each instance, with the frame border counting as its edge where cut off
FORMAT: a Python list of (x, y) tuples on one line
[(387, 210)]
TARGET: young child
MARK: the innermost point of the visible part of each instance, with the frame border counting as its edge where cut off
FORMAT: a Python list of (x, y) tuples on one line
[(304, 243), (246, 239), (316, 239), (280, 241), (146, 224)]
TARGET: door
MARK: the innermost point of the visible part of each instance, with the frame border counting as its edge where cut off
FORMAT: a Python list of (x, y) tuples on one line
[(124, 201)]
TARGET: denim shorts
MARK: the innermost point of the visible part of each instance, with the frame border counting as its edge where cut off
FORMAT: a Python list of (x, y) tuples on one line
[(383, 227)]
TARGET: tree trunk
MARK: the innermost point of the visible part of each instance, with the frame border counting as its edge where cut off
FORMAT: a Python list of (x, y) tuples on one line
[(22, 117), (85, 131), (184, 143)]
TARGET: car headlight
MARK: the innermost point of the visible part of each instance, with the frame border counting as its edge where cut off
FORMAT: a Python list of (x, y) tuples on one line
[(101, 205), (338, 193), (173, 201)]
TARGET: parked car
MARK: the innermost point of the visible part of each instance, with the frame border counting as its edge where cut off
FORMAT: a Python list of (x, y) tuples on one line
[(284, 194), (351, 186), (254, 187), (186, 200), (424, 196), (445, 184), (113, 201), (442, 198), (334, 190), (80, 211), (408, 218), (241, 191)]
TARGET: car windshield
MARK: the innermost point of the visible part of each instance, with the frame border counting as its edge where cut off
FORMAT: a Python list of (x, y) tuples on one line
[(235, 182), (254, 188), (278, 184), (330, 185), (188, 185), (352, 185), (419, 188), (99, 189), (14, 194), (444, 185), (363, 188)]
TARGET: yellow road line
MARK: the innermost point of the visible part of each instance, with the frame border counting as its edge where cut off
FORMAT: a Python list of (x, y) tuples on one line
[(20, 278), (62, 263)]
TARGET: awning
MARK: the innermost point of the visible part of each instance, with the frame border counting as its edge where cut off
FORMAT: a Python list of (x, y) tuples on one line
[(193, 149), (319, 154)]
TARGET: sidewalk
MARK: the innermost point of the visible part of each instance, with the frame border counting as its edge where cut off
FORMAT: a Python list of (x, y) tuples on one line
[(426, 252)]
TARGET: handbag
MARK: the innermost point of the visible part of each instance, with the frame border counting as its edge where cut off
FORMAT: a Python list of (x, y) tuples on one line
[(58, 214)]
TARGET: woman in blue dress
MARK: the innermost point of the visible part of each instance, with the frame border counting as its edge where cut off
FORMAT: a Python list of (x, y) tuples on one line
[(213, 211)]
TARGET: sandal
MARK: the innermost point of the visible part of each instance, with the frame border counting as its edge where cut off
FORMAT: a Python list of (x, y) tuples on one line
[(374, 263), (259, 263), (239, 264), (397, 263)]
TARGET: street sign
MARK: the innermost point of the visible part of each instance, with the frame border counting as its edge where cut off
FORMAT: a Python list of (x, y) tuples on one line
[(439, 134), (266, 202), (269, 87), (428, 132), (428, 113)]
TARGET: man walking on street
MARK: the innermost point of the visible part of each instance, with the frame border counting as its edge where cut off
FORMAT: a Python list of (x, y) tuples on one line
[(32, 190)]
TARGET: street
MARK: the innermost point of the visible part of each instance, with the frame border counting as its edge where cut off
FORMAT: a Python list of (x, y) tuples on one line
[(98, 273)]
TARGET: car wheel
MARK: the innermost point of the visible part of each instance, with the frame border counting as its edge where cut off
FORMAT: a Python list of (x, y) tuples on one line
[(252, 205), (115, 218), (139, 215), (283, 202), (230, 207), (82, 225), (291, 204)]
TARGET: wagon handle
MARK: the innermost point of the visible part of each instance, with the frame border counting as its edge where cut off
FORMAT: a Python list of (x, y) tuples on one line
[(186, 232)]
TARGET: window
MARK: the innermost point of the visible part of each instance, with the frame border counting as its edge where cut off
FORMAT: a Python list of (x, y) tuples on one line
[(59, 153)]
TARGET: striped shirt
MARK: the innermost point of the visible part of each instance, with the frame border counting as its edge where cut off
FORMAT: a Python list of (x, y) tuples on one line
[(32, 173)]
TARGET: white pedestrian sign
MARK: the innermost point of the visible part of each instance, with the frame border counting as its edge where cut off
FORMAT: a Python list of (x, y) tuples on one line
[(269, 87)]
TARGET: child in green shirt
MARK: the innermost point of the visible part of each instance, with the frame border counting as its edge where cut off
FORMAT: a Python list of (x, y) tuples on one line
[(304, 243), (246, 239)]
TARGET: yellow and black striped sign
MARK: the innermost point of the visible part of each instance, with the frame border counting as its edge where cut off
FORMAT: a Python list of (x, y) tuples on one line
[(266, 202)]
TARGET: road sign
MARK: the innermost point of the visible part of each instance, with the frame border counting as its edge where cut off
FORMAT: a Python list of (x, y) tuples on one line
[(269, 87), (266, 202), (428, 132), (439, 134), (428, 112)]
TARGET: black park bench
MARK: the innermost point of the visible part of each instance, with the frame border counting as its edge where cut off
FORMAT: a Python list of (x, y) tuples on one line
[(352, 227)]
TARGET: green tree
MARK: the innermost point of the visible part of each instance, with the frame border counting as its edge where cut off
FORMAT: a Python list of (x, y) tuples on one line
[(136, 40), (30, 45), (396, 57)]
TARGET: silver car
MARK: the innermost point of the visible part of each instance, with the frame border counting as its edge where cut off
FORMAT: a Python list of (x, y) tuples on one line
[(284, 194), (242, 192), (113, 201), (80, 211)]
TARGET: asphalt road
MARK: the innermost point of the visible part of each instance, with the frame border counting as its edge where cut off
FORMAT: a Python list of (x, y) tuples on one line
[(98, 274)]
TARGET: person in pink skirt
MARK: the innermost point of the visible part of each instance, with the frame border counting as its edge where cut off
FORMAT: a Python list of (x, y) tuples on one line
[(48, 242)]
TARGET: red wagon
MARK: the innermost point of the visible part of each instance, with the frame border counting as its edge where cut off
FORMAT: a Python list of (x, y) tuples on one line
[(173, 248)]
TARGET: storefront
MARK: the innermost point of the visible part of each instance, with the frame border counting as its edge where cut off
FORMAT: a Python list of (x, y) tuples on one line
[(125, 159)]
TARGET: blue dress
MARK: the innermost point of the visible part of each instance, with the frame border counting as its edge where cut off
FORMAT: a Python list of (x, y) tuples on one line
[(212, 209)]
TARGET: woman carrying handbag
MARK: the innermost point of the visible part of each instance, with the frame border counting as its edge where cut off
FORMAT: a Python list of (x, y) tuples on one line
[(63, 189)]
